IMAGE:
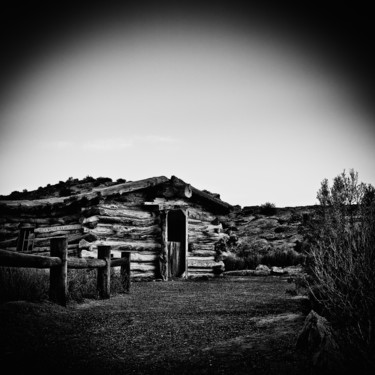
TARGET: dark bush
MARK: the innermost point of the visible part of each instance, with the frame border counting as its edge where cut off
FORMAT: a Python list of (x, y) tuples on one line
[(65, 192), (283, 258), (268, 209), (102, 180)]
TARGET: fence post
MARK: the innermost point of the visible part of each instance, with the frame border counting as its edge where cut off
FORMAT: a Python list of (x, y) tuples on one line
[(59, 274), (104, 274), (125, 271)]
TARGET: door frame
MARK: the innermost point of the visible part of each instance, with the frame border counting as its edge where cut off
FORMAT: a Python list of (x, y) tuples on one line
[(164, 235)]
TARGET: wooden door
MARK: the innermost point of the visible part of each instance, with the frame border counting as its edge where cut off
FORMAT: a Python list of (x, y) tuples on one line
[(176, 243), (176, 259)]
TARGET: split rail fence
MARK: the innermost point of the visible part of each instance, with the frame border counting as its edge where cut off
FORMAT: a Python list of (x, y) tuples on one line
[(58, 263)]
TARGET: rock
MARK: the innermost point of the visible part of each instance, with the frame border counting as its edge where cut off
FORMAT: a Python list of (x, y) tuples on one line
[(277, 271), (265, 223), (261, 273), (293, 270), (317, 338), (239, 273), (262, 267)]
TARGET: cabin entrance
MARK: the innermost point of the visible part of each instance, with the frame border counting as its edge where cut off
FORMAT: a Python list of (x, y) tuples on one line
[(176, 241)]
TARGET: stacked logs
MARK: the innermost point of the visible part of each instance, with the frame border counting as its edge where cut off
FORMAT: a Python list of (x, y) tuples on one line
[(204, 232), (125, 226)]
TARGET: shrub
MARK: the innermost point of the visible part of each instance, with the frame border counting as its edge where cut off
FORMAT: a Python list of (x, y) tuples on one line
[(268, 209), (233, 262), (88, 178), (65, 192), (102, 181), (283, 258), (342, 262)]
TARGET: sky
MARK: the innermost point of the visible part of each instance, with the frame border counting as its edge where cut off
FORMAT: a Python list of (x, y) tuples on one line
[(258, 105)]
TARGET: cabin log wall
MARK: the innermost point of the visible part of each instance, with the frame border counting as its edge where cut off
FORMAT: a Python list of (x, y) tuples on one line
[(132, 221), (126, 226), (204, 233)]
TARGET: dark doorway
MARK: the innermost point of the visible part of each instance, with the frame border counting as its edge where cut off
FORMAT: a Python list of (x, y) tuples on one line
[(176, 238)]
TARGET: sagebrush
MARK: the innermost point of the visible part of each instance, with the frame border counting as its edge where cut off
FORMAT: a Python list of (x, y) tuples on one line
[(342, 263)]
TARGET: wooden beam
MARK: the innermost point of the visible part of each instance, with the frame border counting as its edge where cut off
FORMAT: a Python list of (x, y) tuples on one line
[(15, 259), (58, 275), (79, 263), (125, 270), (104, 274)]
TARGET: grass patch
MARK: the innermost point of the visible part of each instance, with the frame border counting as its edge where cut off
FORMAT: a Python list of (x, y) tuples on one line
[(29, 284), (26, 284)]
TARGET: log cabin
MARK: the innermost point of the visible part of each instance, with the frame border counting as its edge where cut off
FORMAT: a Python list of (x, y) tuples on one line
[(171, 228)]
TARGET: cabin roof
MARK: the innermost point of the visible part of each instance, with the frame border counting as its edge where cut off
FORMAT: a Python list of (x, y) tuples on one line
[(96, 193)]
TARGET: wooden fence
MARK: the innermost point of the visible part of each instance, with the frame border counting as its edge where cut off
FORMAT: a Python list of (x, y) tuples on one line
[(59, 263)]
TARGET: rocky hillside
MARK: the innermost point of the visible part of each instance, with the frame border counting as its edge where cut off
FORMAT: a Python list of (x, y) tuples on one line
[(283, 231)]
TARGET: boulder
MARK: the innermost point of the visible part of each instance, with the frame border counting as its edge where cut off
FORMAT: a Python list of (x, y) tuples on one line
[(262, 267), (277, 271), (262, 270)]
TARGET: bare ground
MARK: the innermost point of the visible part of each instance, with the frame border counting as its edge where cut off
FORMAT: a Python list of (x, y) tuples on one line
[(233, 325)]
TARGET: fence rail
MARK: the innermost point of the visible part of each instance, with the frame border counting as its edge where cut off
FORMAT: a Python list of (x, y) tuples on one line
[(58, 263)]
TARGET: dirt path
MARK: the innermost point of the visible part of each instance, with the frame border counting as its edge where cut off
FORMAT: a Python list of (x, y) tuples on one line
[(227, 326)]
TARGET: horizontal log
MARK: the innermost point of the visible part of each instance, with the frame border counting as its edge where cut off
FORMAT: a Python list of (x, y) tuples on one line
[(31, 219), (15, 259), (57, 228), (198, 214), (203, 262), (138, 257), (192, 271), (72, 239), (57, 233), (142, 267), (206, 238), (118, 262), (130, 245), (206, 228), (199, 246), (118, 212), (79, 263), (100, 231), (203, 253), (128, 187), (37, 249), (120, 231), (142, 275), (128, 221), (134, 237), (71, 253)]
